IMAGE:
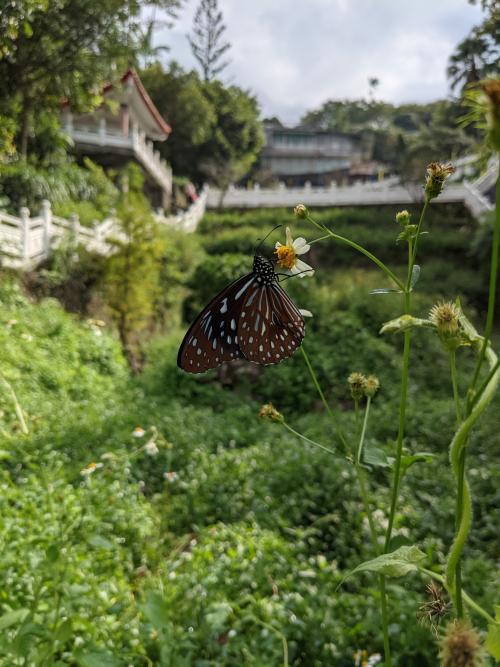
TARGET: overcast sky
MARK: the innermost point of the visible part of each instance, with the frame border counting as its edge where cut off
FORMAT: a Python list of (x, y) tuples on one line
[(295, 54)]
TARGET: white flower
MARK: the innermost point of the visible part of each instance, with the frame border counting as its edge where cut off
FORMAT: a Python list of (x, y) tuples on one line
[(90, 468), (151, 448), (170, 476), (288, 255), (138, 432)]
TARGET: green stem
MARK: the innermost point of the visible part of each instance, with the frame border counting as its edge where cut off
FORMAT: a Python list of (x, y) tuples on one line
[(308, 440), (385, 622), (490, 317), (315, 380), (360, 249), (359, 455), (413, 253), (467, 598), (17, 406), (460, 484), (456, 448), (276, 632)]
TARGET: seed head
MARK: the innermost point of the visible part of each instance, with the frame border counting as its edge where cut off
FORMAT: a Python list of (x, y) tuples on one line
[(372, 385), (403, 218), (437, 174), (269, 412), (461, 646), (445, 316), (357, 385), (300, 211)]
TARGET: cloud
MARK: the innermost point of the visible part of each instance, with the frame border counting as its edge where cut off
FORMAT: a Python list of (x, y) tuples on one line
[(294, 56)]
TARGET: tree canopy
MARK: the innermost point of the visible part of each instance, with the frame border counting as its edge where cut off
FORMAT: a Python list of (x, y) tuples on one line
[(207, 39)]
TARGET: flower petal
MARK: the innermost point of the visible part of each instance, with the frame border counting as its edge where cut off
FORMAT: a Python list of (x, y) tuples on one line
[(301, 246), (303, 267), (289, 239)]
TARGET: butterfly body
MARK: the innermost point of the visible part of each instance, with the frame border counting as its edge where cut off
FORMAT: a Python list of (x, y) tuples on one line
[(252, 318)]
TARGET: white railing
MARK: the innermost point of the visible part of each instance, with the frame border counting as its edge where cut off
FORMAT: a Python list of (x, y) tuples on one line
[(136, 142), (26, 241), (388, 192)]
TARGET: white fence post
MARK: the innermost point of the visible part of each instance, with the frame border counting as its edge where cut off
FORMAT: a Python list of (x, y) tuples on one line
[(24, 214), (47, 224)]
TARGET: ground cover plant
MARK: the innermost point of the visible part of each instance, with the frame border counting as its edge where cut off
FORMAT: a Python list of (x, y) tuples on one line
[(155, 519)]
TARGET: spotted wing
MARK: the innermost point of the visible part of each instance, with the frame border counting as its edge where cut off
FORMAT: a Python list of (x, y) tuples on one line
[(270, 326), (213, 337)]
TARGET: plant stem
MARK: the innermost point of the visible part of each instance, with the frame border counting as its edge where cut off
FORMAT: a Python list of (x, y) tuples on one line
[(359, 454), (338, 430), (460, 484), (308, 440), (490, 317), (360, 249), (277, 633), (17, 406), (456, 449)]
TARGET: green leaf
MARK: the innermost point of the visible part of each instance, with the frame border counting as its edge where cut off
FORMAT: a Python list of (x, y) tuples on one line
[(217, 615), (13, 617), (395, 564), (407, 460), (156, 610), (100, 542), (96, 658), (64, 631), (398, 541), (415, 275), (376, 458), (52, 553), (385, 290), (492, 643)]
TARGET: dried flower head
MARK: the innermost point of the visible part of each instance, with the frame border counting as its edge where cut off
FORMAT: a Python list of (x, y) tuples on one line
[(446, 317), (300, 211), (138, 432), (372, 385), (461, 646), (403, 217), (357, 385), (436, 606), (269, 412), (437, 174)]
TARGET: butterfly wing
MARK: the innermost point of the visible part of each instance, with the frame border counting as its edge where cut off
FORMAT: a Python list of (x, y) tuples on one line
[(270, 327), (213, 337)]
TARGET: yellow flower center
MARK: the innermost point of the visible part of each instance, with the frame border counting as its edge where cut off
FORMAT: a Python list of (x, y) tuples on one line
[(286, 256)]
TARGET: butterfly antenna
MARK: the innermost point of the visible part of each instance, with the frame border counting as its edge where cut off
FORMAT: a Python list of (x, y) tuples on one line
[(266, 237)]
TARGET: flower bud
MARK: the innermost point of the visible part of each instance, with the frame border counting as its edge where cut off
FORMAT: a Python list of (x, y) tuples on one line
[(437, 174), (357, 385), (300, 211), (372, 385), (403, 218), (461, 646), (269, 412)]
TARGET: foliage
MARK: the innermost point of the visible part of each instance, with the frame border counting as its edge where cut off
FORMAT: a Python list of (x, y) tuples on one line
[(219, 134), (67, 49), (206, 40)]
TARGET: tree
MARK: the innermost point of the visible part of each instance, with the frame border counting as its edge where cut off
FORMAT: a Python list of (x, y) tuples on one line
[(70, 48), (477, 56), (206, 41), (216, 132)]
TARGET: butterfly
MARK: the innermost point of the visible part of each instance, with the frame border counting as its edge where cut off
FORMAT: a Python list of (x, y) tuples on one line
[(253, 318)]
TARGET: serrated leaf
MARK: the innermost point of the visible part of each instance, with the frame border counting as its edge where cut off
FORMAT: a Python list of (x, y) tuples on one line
[(13, 617), (492, 642), (415, 275), (394, 564), (385, 290)]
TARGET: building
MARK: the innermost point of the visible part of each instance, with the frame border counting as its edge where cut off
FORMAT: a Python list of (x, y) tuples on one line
[(123, 129), (296, 155)]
